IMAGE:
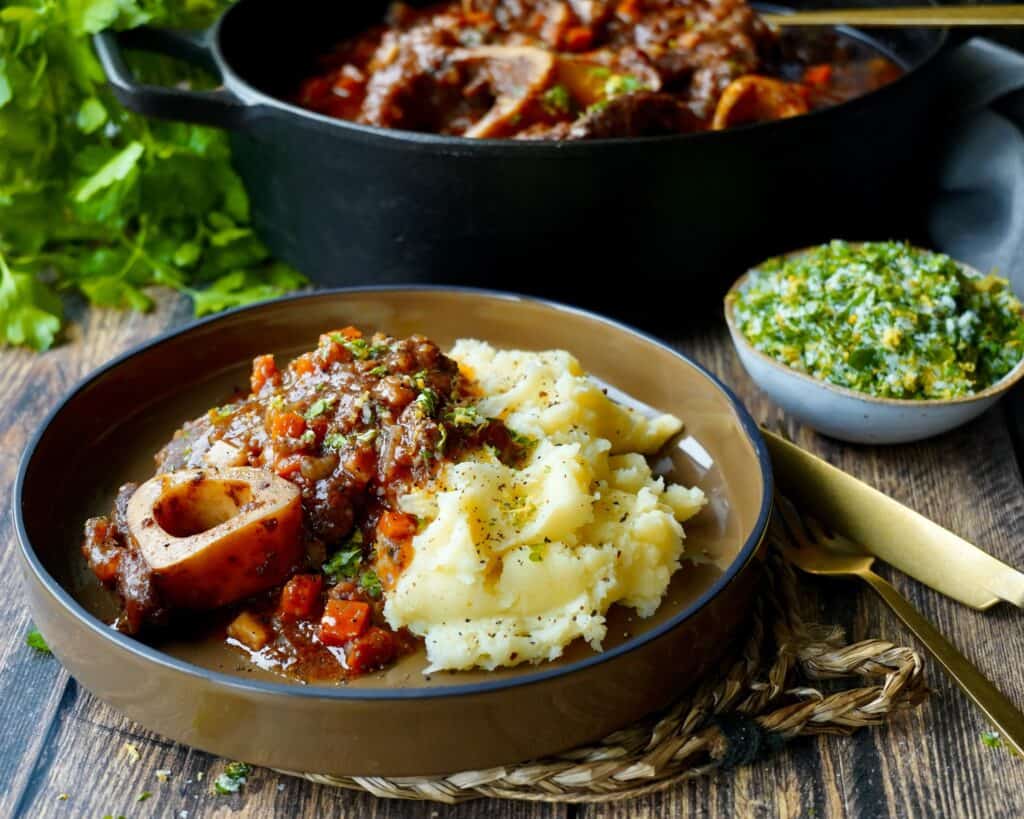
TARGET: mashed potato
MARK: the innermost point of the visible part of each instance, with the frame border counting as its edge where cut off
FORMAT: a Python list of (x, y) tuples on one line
[(513, 564)]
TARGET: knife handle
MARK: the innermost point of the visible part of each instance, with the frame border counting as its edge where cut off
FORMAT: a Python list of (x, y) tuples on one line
[(1002, 713)]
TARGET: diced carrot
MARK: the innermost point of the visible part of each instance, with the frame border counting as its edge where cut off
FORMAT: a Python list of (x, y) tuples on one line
[(628, 10), (578, 38), (287, 467), (250, 631), (303, 365), (349, 333), (396, 525), (343, 620), (818, 74), (300, 597), (372, 650), (264, 370), (287, 425)]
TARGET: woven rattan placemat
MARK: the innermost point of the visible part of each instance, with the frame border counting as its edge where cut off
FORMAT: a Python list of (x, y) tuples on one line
[(764, 695)]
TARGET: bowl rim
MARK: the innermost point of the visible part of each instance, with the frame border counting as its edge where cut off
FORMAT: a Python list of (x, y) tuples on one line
[(740, 340), (147, 653)]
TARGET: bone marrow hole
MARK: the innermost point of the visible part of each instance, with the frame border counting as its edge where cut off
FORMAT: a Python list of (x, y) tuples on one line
[(197, 506)]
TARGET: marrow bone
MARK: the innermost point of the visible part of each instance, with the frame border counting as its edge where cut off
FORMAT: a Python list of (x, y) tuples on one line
[(214, 536)]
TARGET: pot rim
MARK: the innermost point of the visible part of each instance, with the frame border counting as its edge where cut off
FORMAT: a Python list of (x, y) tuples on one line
[(145, 652), (255, 99)]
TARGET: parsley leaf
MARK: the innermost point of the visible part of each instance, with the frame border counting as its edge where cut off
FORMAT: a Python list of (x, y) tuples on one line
[(29, 311), (103, 202), (427, 401), (345, 562)]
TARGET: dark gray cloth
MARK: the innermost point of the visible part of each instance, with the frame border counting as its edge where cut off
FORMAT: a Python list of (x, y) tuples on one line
[(977, 215)]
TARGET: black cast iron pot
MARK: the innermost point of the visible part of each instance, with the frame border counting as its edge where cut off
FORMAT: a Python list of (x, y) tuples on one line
[(347, 203)]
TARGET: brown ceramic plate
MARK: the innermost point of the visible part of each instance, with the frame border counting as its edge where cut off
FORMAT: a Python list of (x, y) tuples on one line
[(397, 722)]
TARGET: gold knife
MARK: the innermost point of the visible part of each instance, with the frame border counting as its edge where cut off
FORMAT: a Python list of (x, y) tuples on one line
[(890, 531)]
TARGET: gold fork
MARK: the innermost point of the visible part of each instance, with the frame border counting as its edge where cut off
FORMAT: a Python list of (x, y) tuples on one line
[(805, 544)]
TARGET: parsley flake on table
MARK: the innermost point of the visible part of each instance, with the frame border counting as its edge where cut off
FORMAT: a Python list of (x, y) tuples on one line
[(235, 775), (103, 202), (35, 640)]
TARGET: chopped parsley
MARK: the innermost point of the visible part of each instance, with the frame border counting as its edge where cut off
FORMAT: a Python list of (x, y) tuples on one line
[(371, 584), (992, 739), (537, 552), (465, 417), (345, 562), (144, 796), (235, 775), (622, 84), (883, 318), (367, 436), (35, 640), (308, 438), (380, 371), (358, 347), (520, 440), (335, 441), (427, 401), (556, 100), (318, 408)]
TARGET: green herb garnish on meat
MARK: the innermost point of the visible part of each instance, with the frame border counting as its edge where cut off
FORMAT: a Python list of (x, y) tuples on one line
[(358, 347), (318, 408), (465, 417), (345, 562), (335, 441), (556, 100), (427, 402), (883, 318)]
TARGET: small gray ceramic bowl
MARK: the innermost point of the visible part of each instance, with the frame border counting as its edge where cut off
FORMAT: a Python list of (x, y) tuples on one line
[(854, 416)]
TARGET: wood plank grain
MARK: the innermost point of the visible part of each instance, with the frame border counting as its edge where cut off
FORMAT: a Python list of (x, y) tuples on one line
[(58, 739), (32, 687)]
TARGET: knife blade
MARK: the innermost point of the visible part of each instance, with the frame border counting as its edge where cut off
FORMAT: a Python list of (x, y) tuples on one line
[(892, 532)]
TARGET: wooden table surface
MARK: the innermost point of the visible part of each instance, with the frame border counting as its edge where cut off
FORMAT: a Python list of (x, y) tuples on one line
[(56, 739)]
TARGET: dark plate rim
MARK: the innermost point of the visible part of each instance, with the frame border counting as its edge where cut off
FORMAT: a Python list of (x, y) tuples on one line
[(148, 653)]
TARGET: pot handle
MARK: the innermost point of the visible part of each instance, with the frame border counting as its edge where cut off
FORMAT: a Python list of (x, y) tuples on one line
[(219, 107)]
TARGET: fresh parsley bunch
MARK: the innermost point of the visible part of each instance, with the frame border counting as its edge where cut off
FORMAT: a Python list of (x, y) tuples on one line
[(101, 201)]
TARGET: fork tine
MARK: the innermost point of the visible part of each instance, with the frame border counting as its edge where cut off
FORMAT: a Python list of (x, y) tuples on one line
[(791, 520)]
